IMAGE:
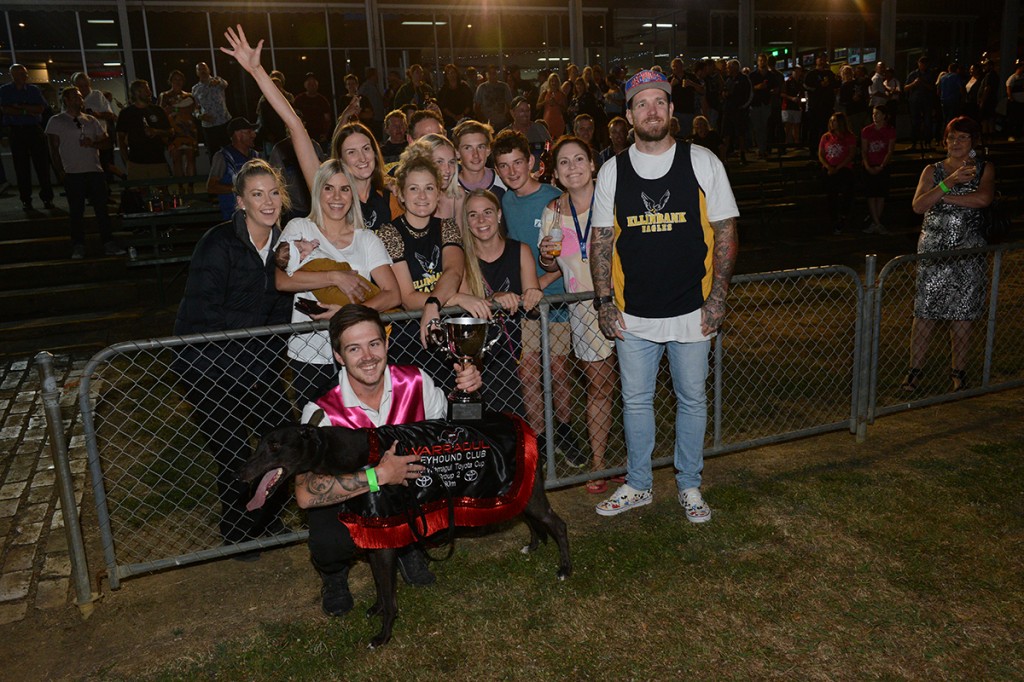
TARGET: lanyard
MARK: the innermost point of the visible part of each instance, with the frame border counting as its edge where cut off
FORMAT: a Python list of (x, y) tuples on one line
[(583, 237)]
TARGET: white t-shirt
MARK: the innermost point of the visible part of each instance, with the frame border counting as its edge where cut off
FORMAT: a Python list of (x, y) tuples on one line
[(73, 156), (365, 254), (97, 102), (435, 405), (721, 205)]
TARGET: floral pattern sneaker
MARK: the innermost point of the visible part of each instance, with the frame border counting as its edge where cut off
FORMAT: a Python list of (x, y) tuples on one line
[(697, 510), (624, 499)]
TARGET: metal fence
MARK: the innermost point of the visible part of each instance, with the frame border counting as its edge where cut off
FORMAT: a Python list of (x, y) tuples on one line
[(167, 421)]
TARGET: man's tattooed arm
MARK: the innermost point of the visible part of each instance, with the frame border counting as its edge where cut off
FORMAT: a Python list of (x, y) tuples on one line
[(322, 490), (723, 260), (601, 242)]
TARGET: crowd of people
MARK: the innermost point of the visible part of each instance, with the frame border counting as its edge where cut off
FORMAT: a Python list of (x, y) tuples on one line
[(490, 196), (461, 219)]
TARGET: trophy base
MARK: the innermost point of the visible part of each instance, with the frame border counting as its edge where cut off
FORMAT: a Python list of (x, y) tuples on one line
[(463, 412)]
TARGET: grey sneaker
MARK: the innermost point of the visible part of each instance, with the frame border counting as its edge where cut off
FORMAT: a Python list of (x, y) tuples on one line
[(625, 498), (697, 510), (112, 249), (78, 252)]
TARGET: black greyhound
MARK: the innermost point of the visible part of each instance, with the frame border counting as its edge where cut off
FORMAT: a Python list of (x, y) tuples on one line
[(334, 450)]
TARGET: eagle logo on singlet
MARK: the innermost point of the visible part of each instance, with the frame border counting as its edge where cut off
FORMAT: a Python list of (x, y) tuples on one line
[(654, 220), (655, 207)]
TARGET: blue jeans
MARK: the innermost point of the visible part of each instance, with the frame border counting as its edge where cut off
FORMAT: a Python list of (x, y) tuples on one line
[(638, 367)]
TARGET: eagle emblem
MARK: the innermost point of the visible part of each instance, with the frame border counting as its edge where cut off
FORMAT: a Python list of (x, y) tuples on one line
[(652, 206), (430, 265)]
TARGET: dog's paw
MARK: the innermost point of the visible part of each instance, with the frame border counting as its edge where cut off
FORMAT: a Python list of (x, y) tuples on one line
[(380, 640)]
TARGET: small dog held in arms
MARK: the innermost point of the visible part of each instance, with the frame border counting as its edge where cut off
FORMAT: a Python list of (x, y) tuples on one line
[(476, 473)]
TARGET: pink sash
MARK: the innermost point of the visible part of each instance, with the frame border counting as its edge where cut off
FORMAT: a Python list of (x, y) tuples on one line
[(406, 401)]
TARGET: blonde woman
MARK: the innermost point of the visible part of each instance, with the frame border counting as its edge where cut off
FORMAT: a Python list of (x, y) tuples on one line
[(335, 224), (498, 270)]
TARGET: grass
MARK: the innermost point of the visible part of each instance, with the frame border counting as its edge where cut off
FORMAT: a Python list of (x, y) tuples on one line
[(834, 568)]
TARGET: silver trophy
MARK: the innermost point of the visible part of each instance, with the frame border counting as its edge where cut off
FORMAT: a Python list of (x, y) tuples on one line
[(465, 339)]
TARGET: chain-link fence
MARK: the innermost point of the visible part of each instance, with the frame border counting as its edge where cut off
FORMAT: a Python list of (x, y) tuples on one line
[(169, 421), (947, 323)]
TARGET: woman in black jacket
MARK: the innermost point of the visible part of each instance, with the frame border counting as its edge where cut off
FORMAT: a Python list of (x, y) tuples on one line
[(233, 385)]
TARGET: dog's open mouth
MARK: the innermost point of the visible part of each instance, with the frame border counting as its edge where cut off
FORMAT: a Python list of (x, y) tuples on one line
[(266, 484)]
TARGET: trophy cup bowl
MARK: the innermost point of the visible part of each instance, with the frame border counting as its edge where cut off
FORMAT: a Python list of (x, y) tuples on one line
[(466, 341)]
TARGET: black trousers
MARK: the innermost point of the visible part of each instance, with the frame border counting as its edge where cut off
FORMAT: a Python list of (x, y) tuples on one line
[(229, 413), (91, 187), (28, 149)]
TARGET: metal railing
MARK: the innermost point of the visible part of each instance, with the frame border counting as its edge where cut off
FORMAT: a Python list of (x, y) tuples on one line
[(804, 352)]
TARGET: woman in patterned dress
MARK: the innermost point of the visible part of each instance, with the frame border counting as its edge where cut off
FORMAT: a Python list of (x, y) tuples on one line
[(951, 194)]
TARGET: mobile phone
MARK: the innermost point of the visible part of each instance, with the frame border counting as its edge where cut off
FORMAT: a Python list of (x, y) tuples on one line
[(309, 307)]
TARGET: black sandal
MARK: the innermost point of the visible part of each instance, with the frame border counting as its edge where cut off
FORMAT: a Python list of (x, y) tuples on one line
[(909, 384), (959, 377)]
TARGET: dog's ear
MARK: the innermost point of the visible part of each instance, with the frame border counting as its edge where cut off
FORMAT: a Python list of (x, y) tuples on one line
[(315, 418)]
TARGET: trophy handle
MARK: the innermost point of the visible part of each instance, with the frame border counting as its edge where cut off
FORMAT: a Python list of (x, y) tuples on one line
[(498, 319)]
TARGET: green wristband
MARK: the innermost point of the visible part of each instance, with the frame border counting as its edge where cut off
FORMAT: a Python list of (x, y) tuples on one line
[(942, 186), (371, 480)]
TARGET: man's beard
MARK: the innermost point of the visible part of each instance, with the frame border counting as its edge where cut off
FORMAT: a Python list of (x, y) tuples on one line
[(659, 134)]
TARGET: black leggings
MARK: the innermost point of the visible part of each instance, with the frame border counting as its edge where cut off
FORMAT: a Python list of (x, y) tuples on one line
[(229, 412), (839, 193)]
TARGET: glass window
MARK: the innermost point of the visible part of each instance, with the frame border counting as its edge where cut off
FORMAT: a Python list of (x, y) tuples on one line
[(348, 29), (37, 30), (174, 29), (100, 30), (299, 29)]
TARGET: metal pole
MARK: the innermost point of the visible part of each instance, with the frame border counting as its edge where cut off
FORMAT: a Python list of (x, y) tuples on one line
[(719, 357), (81, 42), (149, 53), (993, 308), (863, 358), (65, 485), (128, 59), (549, 412), (330, 64)]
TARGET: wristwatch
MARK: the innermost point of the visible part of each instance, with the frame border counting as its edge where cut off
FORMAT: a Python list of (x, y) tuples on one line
[(601, 300)]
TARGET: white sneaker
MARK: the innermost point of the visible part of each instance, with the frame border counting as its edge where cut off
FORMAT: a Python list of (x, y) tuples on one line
[(697, 510), (624, 499)]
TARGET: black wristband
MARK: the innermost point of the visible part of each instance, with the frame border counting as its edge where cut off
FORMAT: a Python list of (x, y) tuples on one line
[(433, 299), (601, 300)]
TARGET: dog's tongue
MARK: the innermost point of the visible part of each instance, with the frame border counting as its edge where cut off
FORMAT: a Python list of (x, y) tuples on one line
[(263, 488)]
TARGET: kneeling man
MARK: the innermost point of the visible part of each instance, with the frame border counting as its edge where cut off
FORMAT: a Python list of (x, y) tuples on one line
[(370, 392)]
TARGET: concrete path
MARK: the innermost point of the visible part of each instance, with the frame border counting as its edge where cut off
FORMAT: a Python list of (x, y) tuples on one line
[(35, 567)]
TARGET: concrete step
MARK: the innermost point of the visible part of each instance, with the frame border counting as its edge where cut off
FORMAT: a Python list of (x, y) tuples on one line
[(46, 273), (68, 299), (89, 332)]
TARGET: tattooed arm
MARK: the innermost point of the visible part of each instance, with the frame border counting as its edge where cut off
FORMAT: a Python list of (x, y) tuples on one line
[(322, 490), (608, 316), (722, 263)]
